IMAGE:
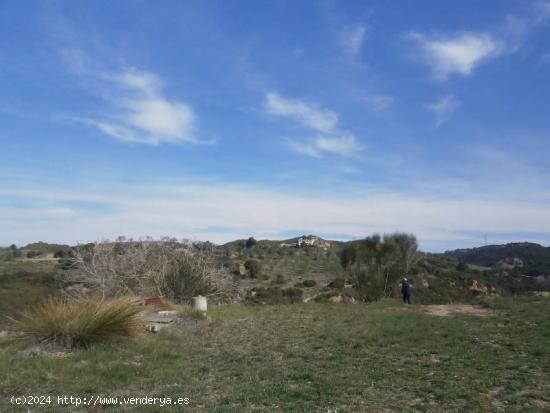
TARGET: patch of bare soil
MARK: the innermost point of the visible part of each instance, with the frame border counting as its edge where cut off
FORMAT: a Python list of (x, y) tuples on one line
[(446, 310)]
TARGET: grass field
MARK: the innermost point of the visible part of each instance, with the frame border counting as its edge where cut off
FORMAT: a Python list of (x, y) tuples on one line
[(24, 283), (312, 358)]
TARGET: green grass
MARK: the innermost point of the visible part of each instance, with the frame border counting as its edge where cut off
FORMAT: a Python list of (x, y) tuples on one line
[(24, 283), (78, 324), (308, 358)]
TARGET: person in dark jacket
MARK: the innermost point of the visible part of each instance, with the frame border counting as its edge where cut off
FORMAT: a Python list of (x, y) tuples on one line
[(406, 291)]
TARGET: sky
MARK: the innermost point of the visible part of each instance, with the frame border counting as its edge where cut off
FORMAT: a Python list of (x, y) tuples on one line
[(220, 120)]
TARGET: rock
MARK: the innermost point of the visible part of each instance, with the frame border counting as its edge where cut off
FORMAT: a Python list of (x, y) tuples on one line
[(336, 299), (168, 313), (157, 319), (242, 269), (478, 287), (544, 294), (155, 327)]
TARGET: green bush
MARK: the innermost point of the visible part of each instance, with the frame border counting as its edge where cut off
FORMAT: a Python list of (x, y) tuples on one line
[(253, 267), (294, 294), (461, 266), (279, 280), (78, 324), (275, 295), (337, 283), (306, 284), (60, 254)]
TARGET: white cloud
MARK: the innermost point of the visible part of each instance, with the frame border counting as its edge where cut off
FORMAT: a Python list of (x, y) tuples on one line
[(458, 54), (224, 211), (343, 145), (462, 52), (443, 108), (322, 120), (354, 38), (541, 12), (136, 108), (305, 148), (331, 141), (378, 102), (139, 111)]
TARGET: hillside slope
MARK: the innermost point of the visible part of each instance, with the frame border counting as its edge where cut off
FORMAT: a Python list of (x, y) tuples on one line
[(529, 258)]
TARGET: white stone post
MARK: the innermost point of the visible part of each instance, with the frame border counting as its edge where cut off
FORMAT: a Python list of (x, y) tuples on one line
[(199, 303)]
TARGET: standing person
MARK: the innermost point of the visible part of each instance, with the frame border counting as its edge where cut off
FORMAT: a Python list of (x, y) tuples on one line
[(406, 291)]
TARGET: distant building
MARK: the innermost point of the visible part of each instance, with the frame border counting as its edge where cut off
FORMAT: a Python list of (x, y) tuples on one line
[(308, 241)]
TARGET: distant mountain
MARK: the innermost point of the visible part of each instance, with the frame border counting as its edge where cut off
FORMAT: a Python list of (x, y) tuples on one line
[(527, 257), (44, 247), (304, 240)]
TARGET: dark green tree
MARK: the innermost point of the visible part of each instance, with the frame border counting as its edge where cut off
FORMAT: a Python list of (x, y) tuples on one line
[(253, 267), (250, 242), (377, 263)]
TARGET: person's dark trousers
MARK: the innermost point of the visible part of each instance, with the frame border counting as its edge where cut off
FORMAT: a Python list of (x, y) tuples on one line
[(406, 298)]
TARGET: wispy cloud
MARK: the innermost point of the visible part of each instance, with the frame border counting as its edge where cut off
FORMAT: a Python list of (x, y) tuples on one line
[(456, 54), (135, 106), (541, 11), (310, 115), (353, 38), (331, 141), (460, 53), (140, 112), (443, 108), (378, 102), (343, 145)]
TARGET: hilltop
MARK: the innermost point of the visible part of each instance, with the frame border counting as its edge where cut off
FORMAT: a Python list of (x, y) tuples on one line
[(525, 258)]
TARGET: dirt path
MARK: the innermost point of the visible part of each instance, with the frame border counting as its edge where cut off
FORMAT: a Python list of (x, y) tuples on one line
[(447, 310)]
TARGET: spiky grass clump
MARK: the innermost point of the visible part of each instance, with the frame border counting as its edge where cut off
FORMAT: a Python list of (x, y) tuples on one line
[(78, 324)]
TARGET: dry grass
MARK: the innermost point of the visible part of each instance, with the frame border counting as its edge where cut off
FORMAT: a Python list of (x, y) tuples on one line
[(78, 324)]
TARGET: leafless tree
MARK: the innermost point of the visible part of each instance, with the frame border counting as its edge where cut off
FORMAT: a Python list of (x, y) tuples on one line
[(150, 268)]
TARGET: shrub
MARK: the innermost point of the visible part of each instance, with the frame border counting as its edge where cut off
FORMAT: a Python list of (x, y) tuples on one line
[(461, 266), (306, 284), (33, 254), (293, 294), (279, 280), (253, 267), (78, 324), (60, 254), (377, 263), (275, 295), (337, 283), (152, 268)]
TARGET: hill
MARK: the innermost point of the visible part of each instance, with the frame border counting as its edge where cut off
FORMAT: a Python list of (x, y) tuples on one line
[(525, 258)]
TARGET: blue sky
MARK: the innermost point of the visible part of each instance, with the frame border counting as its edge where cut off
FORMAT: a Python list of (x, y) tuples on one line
[(217, 120)]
